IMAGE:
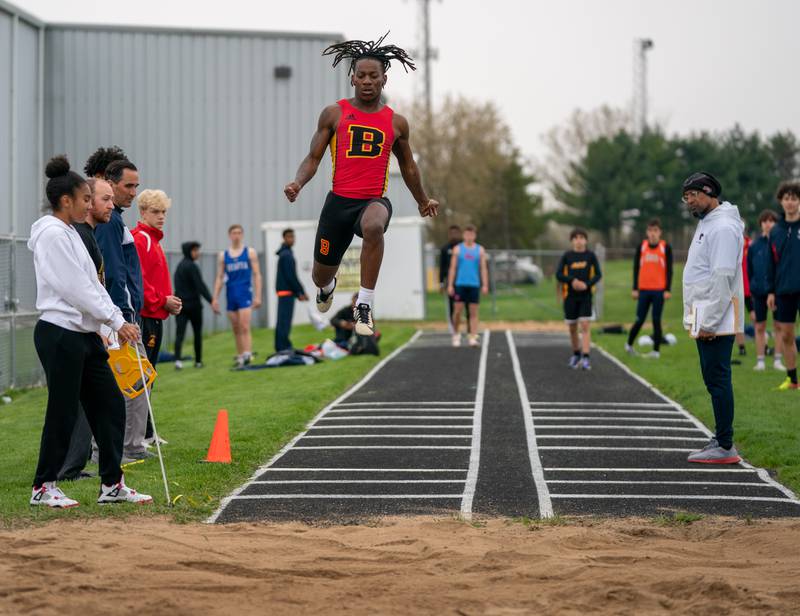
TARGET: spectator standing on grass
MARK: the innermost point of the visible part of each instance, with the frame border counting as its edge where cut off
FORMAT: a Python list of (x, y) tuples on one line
[(124, 284), (759, 268), (712, 279), (159, 302), (73, 305), (100, 208), (445, 256), (652, 284), (467, 279), (288, 288), (578, 271), (191, 289), (784, 294)]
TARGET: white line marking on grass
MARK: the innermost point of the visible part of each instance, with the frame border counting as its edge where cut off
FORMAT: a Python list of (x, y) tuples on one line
[(762, 473), (381, 481), (475, 454), (768, 499), (571, 469), (328, 469), (345, 496), (437, 447), (759, 484), (617, 437), (260, 470), (609, 427), (542, 492), (591, 403), (616, 448)]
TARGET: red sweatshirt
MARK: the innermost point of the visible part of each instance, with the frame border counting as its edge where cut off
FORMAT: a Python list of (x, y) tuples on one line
[(155, 272)]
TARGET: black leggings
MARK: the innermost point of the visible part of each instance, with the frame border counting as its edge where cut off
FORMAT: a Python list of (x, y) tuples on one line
[(195, 317), (77, 371)]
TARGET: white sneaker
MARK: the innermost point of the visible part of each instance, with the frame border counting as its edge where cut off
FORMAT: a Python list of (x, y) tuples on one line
[(630, 350), (362, 313), (759, 367), (653, 355), (50, 495), (778, 365), (178, 364), (149, 442), (120, 493), (473, 341), (456, 340)]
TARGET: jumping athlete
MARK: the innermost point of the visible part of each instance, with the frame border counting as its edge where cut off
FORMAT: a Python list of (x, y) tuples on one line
[(652, 282), (237, 268), (361, 132)]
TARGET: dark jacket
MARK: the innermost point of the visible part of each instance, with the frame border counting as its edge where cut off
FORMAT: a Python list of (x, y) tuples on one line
[(123, 271), (286, 281), (785, 271), (445, 255), (189, 285), (86, 231), (582, 266), (341, 318), (759, 266)]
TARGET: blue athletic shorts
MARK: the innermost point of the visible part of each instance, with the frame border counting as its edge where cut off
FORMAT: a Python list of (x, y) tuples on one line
[(239, 301), (468, 295)]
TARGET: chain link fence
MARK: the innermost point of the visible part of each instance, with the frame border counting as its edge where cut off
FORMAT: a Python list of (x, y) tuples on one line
[(19, 364)]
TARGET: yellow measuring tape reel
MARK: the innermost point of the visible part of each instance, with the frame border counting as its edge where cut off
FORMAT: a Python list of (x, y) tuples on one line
[(125, 366)]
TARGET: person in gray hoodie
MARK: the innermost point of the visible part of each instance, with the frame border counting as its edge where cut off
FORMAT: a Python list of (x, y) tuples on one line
[(712, 278), (73, 306)]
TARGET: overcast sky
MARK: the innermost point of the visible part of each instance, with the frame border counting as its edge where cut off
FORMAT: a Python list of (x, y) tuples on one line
[(715, 62)]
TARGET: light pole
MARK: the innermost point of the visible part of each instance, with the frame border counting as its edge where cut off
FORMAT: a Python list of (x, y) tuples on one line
[(640, 48)]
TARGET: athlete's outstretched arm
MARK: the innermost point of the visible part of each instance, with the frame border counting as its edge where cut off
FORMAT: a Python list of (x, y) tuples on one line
[(409, 169), (326, 126)]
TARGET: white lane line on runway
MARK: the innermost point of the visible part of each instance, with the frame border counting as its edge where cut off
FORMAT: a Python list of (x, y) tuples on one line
[(616, 448), (762, 473), (391, 417), (328, 469), (590, 403), (437, 447), (346, 496), (477, 423), (382, 426), (404, 410), (381, 481), (610, 427), (595, 469), (260, 470), (643, 412), (542, 492), (462, 436), (469, 405), (758, 484), (541, 418), (617, 437), (768, 499)]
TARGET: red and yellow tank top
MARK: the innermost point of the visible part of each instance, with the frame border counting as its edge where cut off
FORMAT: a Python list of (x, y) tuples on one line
[(653, 266), (360, 151)]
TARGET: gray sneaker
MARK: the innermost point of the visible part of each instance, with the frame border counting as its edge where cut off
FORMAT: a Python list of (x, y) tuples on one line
[(133, 457), (712, 453)]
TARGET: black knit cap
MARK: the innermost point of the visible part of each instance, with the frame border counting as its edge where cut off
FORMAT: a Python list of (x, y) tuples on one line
[(704, 182)]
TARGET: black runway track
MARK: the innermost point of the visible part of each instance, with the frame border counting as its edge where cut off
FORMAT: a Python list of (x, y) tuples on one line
[(505, 429)]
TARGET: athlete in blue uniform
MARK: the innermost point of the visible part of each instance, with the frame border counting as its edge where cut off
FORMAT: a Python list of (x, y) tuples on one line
[(467, 279), (238, 269)]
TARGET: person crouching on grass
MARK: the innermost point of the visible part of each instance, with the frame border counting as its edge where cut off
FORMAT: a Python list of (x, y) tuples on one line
[(579, 271), (73, 306), (712, 279), (467, 279)]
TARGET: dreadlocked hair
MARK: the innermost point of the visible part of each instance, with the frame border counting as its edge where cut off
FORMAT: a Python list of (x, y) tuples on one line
[(357, 50)]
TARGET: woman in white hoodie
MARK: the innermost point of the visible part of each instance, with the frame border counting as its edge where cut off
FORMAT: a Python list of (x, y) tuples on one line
[(73, 306)]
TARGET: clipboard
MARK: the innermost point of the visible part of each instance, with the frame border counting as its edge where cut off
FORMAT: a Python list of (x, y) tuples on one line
[(727, 327)]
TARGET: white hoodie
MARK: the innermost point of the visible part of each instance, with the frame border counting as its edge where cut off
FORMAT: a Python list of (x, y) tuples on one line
[(713, 269), (68, 292)]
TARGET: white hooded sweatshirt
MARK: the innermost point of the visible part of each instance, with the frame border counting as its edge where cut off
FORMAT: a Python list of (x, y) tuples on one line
[(68, 292), (713, 271)]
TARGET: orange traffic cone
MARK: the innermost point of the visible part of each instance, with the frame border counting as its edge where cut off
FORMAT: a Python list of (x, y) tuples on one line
[(220, 448)]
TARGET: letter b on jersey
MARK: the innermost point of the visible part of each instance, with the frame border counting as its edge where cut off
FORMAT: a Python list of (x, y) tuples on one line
[(365, 142)]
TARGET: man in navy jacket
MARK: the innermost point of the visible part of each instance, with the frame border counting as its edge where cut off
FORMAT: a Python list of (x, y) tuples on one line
[(288, 288)]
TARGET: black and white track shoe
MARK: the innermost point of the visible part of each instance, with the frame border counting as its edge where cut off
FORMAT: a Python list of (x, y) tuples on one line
[(363, 316), (324, 300)]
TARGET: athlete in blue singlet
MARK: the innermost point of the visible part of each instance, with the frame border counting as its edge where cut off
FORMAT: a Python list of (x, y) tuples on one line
[(238, 270), (467, 279)]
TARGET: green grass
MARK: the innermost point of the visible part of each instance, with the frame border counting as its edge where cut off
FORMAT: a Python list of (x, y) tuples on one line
[(678, 518), (266, 409)]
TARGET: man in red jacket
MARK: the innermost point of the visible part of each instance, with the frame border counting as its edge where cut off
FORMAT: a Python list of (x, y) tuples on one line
[(159, 302)]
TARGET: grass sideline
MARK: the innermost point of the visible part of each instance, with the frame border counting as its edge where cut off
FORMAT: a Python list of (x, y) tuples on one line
[(266, 409)]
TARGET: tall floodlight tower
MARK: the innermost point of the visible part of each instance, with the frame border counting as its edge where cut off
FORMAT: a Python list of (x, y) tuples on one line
[(640, 48), (427, 53)]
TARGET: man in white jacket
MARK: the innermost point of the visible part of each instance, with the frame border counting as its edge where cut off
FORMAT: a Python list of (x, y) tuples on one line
[(713, 295)]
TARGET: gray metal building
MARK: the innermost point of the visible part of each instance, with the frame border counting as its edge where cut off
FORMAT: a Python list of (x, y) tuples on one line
[(218, 119)]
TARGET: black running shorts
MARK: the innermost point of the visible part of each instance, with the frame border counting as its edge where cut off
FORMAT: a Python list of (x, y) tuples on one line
[(339, 221), (578, 308), (786, 307), (761, 309)]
